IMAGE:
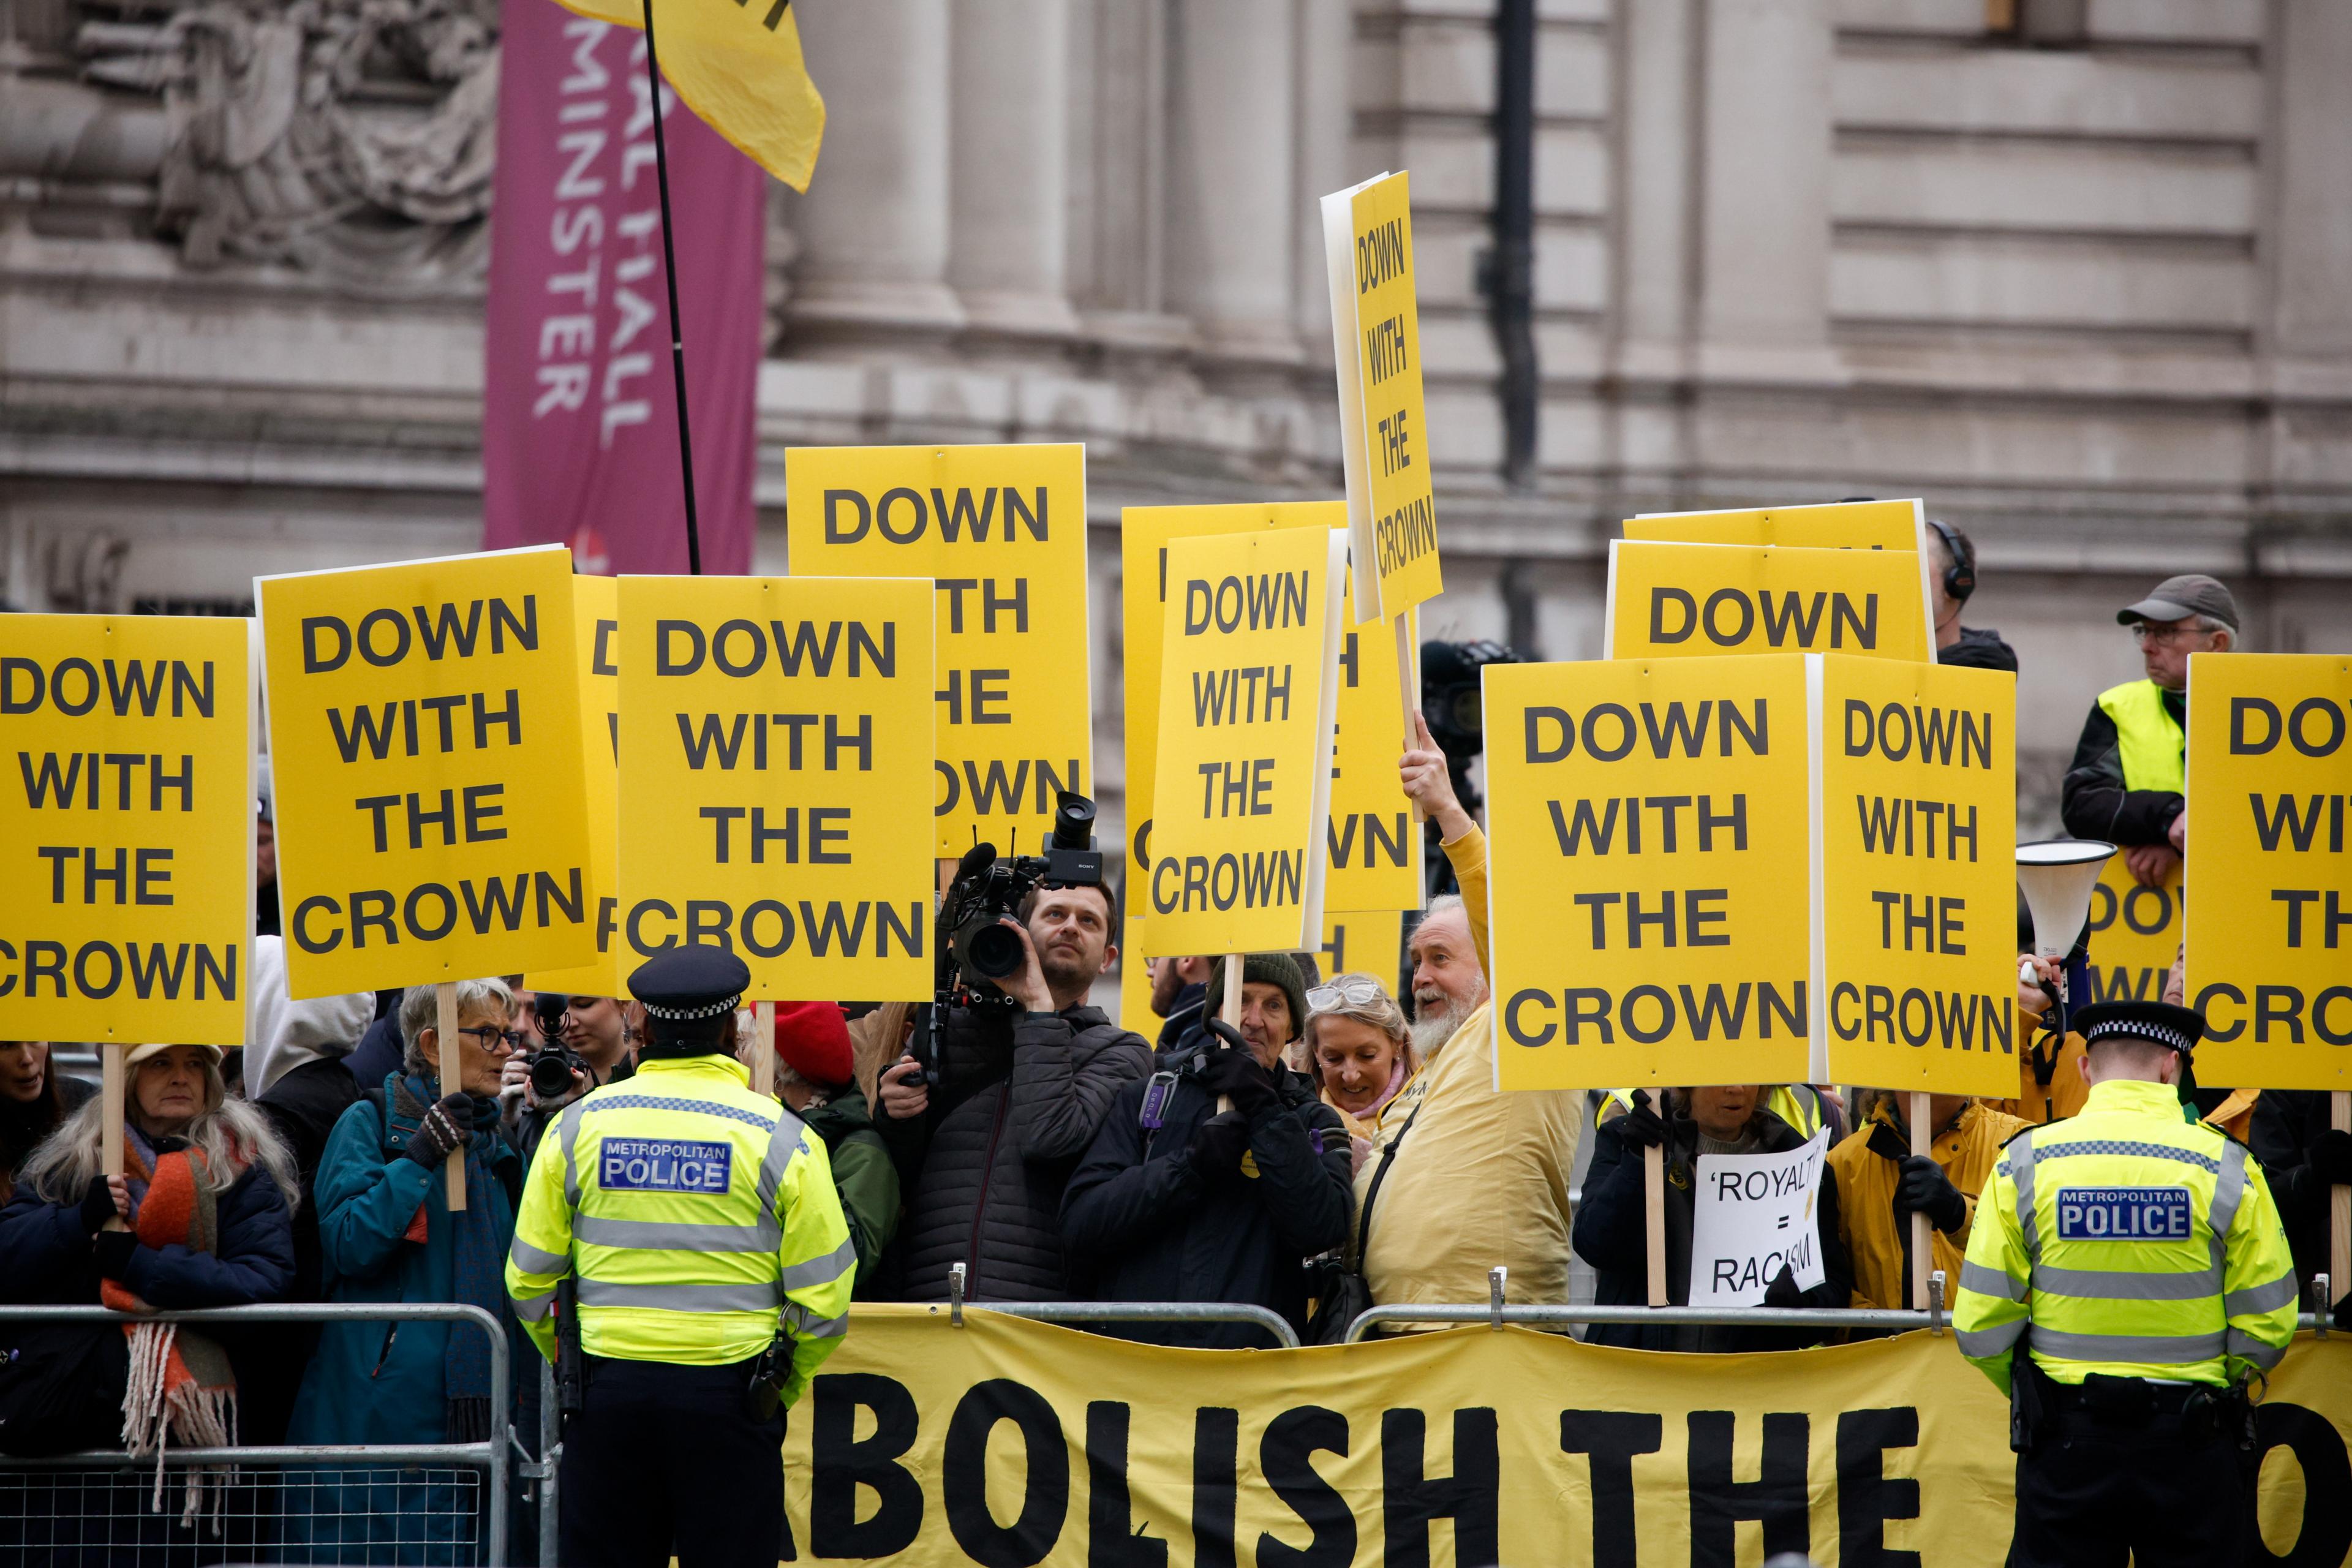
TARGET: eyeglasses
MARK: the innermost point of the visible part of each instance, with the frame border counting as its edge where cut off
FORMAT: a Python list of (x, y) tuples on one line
[(2159, 634), (491, 1037), (1354, 991)]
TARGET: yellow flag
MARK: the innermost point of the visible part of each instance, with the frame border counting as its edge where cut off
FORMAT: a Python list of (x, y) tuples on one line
[(738, 64)]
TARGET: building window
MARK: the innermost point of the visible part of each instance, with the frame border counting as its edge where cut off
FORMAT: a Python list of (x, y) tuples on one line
[(2048, 24)]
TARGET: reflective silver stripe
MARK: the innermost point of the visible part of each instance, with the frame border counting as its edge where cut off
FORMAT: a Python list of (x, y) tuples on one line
[(1987, 1281), (531, 1308), (2021, 1170), (2118, 1285), (532, 1260), (2229, 1187), (784, 1145), (2257, 1299), (807, 1325), (679, 1298), (660, 1236), (1979, 1343), (2152, 1350), (569, 1131), (821, 1270), (2245, 1347)]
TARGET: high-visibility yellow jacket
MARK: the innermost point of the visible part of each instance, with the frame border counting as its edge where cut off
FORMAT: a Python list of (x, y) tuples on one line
[(2128, 1243), (695, 1213), (1867, 1181), (2150, 744)]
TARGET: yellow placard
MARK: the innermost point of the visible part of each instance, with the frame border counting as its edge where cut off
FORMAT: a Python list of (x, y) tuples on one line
[(1369, 943), (1834, 525), (1135, 980), (126, 830), (2135, 934), (596, 631), (425, 754), (1010, 1441), (2269, 942), (1246, 706), (1680, 600), (1383, 426), (775, 743), (1002, 531), (1918, 832), (1649, 871)]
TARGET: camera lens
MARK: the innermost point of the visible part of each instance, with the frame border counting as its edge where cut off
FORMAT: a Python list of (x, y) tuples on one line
[(1074, 823), (548, 1075), (993, 950)]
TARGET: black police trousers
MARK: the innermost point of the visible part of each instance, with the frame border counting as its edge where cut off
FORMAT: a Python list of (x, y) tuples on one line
[(665, 1458), (2157, 1490)]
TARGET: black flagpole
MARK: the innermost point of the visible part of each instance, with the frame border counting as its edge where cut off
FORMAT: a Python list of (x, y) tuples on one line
[(669, 275)]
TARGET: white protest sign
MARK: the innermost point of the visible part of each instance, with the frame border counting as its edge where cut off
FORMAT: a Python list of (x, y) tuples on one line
[(1755, 1213)]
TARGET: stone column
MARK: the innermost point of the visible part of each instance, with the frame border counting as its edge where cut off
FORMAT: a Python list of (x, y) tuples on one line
[(1325, 39), (2312, 292), (1232, 222), (1010, 207), (874, 226)]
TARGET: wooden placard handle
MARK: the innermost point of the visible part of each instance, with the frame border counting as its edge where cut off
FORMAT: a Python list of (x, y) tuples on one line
[(2339, 1211), (1229, 1008), (114, 1087), (1407, 654), (1923, 1244), (444, 1024), (1653, 1219), (763, 1048)]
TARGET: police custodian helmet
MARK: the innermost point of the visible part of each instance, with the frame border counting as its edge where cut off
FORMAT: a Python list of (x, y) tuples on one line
[(2158, 1023)]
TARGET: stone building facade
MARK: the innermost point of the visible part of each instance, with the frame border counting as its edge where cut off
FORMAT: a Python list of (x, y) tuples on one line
[(2078, 271)]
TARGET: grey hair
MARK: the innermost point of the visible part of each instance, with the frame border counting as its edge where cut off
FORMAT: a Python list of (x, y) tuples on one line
[(231, 1135), (1382, 1011), (420, 1011), (2209, 624)]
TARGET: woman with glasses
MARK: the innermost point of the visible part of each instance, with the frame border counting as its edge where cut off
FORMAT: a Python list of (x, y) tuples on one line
[(386, 1234), (1359, 1051)]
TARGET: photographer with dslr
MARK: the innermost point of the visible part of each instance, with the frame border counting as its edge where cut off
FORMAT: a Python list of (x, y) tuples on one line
[(586, 1048), (1178, 1201), (1010, 1073)]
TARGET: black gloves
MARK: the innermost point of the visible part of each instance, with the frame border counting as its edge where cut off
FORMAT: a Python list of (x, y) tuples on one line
[(112, 1248), (2331, 1159), (444, 1130), (97, 1206), (1925, 1189), (1219, 1144), (1237, 1073), (1783, 1292), (1641, 1126)]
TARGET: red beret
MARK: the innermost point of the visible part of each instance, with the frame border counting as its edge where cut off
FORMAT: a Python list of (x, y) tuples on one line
[(812, 1038)]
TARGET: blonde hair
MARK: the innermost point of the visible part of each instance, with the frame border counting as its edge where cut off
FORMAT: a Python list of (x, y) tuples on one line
[(232, 1136), (1382, 1011)]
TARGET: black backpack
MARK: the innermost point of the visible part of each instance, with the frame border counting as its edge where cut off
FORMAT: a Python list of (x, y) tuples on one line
[(61, 1387)]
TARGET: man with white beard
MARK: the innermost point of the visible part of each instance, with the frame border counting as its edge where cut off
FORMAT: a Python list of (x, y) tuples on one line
[(1476, 1176)]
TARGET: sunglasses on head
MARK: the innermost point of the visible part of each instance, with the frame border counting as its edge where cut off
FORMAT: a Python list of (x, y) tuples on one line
[(1355, 991)]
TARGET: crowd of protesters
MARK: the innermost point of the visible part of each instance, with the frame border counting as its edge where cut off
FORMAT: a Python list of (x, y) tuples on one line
[(1338, 1143)]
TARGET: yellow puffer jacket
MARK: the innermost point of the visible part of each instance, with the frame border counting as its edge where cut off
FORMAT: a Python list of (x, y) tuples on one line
[(1866, 1182)]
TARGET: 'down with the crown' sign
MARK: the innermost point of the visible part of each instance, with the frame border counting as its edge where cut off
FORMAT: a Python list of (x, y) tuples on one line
[(1383, 426), (126, 828), (596, 630), (425, 750), (775, 760), (1003, 532), (2270, 937), (1834, 525), (1918, 982), (1669, 601), (1245, 713), (2134, 932), (1649, 875)]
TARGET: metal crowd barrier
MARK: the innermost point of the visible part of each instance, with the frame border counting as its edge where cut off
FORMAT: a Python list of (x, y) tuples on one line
[(1121, 1312), (262, 1480)]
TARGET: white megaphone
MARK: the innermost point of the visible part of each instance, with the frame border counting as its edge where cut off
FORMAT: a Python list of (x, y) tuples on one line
[(2056, 875)]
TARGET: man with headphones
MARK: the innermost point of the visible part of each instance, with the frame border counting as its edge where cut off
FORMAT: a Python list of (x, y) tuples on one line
[(1952, 577)]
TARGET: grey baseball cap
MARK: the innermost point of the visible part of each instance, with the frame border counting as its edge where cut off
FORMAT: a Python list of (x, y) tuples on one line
[(2178, 598)]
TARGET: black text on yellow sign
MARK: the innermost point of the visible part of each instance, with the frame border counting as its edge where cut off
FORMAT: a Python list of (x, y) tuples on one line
[(775, 767), (1650, 871), (1246, 706), (1678, 600), (1002, 531), (1917, 781), (426, 754), (2134, 932), (2270, 937), (596, 628), (126, 819)]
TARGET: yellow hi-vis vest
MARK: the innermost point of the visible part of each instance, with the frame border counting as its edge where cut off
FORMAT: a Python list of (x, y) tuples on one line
[(1798, 1104), (2128, 1243), (2148, 740), (695, 1213)]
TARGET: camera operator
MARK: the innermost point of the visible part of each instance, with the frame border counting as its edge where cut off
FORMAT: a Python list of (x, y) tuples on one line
[(989, 1114), (588, 1038)]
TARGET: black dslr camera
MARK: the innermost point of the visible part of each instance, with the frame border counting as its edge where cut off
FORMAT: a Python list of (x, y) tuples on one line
[(975, 950), (552, 1065)]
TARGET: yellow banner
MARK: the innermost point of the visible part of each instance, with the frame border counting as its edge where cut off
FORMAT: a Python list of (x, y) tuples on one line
[(1002, 531), (425, 754), (1246, 705), (1837, 525), (1371, 941), (1010, 1442), (1383, 426), (126, 834), (596, 630), (1918, 911), (775, 733), (1648, 871), (2135, 934), (1671, 601), (2270, 943)]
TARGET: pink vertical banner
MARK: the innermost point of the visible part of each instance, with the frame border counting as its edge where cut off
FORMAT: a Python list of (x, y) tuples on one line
[(579, 415)]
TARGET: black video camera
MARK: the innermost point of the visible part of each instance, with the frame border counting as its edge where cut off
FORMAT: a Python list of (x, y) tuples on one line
[(552, 1065), (989, 887)]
